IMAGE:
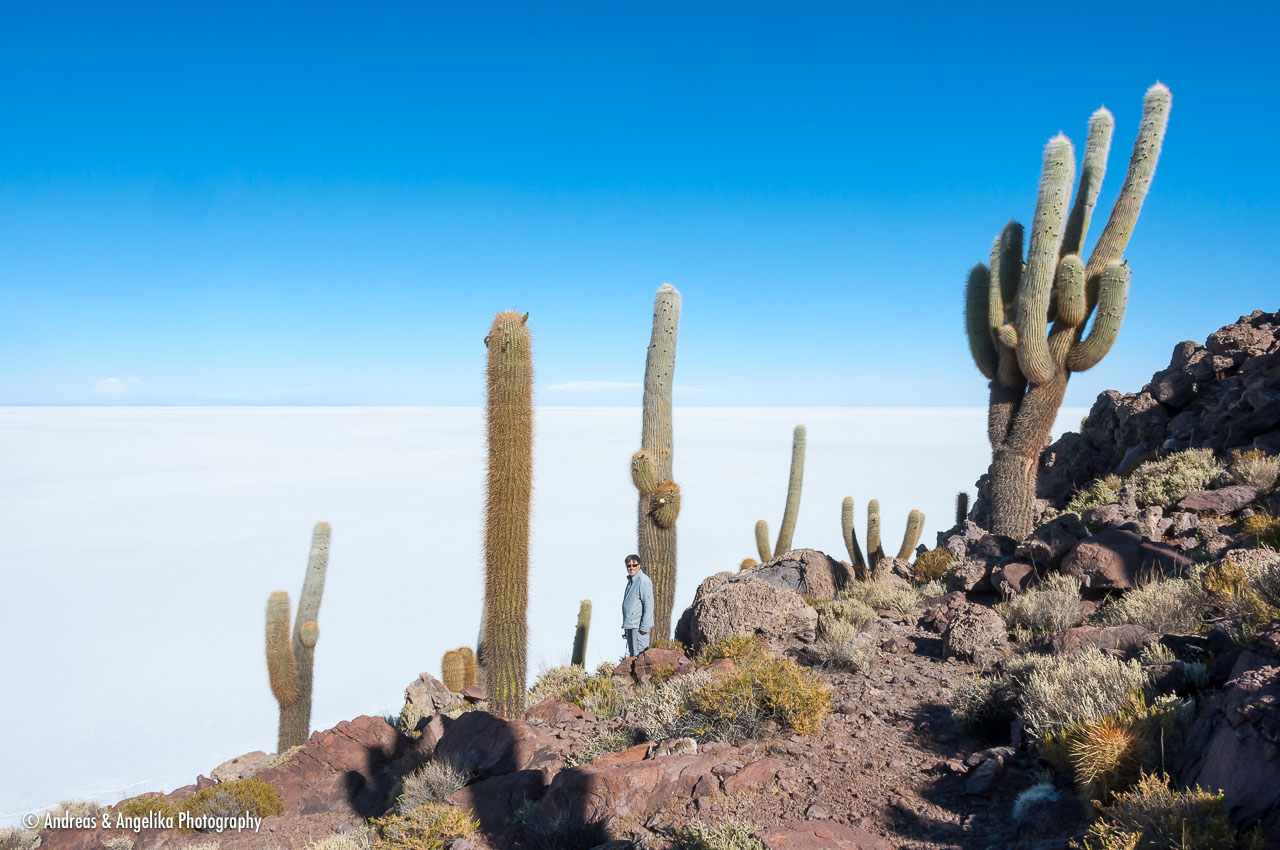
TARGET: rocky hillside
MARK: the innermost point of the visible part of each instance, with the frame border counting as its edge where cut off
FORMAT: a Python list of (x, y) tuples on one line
[(1111, 681)]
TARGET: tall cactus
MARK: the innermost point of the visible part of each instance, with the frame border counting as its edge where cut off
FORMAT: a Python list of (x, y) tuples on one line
[(295, 712), (1010, 305), (579, 657), (875, 550), (962, 507), (506, 528), (651, 468), (792, 508)]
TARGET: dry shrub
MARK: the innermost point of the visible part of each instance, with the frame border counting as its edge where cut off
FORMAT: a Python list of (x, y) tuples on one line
[(1166, 480), (1154, 816), (986, 705), (431, 826), (1263, 528), (1163, 606), (841, 646), (1056, 691), (230, 799), (1048, 608), (1101, 491), (845, 614), (932, 564), (766, 688), (881, 594), (729, 834), (556, 683), (1244, 587), (600, 742), (737, 648), (600, 694), (354, 841), (664, 711), (931, 589), (430, 783), (1254, 467), (148, 804), (17, 838)]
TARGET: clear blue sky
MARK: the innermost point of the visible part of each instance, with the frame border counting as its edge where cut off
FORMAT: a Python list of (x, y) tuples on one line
[(326, 203)]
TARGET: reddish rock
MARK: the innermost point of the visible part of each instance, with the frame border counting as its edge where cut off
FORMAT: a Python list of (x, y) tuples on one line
[(639, 669), (1118, 557), (484, 745), (475, 693), (941, 610), (1226, 500), (639, 752), (494, 800), (1125, 640), (349, 767), (1013, 577), (804, 571), (752, 776), (737, 605), (240, 766), (820, 835), (552, 712), (636, 789)]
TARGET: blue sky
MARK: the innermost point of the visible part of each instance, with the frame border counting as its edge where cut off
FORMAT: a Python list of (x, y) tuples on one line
[(326, 203)]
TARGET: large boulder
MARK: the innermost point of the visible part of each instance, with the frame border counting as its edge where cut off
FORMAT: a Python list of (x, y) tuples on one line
[(820, 835), (639, 669), (429, 696), (1224, 501), (804, 571), (483, 745), (976, 634), (741, 605), (1048, 544), (1235, 744), (1117, 558)]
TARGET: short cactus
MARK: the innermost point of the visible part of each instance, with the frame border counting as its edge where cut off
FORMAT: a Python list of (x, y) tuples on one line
[(763, 546), (962, 507), (875, 551), (453, 671), (509, 414), (659, 496), (792, 508), (295, 712), (580, 632), (469, 667)]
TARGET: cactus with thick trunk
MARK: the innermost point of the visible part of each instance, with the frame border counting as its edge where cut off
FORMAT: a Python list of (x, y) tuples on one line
[(651, 468), (580, 632), (792, 508), (509, 416), (1026, 321), (295, 713), (453, 671)]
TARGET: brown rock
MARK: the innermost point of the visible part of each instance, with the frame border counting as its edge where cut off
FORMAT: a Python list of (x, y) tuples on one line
[(1225, 500), (1050, 542), (552, 712), (941, 610), (736, 605), (430, 695), (820, 835), (594, 793), (804, 571), (639, 669), (639, 752), (350, 767), (494, 800), (484, 745), (1125, 640), (1013, 577), (752, 776), (976, 634), (240, 766), (1118, 557), (475, 693)]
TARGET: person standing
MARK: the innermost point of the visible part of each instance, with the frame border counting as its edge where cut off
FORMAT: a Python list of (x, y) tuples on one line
[(637, 608)]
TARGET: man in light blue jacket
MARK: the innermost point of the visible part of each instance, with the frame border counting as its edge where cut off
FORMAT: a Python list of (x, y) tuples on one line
[(637, 608)]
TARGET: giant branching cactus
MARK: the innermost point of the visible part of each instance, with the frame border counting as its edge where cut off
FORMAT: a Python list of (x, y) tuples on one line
[(506, 527), (875, 551), (792, 508), (291, 657), (1026, 321), (651, 466), (579, 657)]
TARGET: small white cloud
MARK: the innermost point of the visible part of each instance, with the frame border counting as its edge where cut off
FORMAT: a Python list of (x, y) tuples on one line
[(593, 386), (116, 387)]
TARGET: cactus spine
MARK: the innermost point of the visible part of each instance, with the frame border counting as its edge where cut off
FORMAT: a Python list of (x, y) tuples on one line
[(452, 671), (469, 668), (295, 714), (962, 507), (579, 657), (506, 533), (660, 505), (1009, 306)]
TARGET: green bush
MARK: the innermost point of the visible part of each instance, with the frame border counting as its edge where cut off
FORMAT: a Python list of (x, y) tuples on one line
[(729, 834), (1263, 528), (736, 648), (932, 564), (849, 613), (1163, 606), (1166, 480), (1101, 491), (600, 694), (431, 826), (767, 688), (1254, 467), (556, 683), (1244, 587), (1048, 608), (148, 804), (1154, 816), (230, 799)]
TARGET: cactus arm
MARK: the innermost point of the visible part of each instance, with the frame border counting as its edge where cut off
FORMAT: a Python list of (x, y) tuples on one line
[(580, 632), (313, 582), (1068, 285), (794, 482), (976, 327), (856, 560), (1113, 293), (1032, 310), (762, 541), (657, 545), (282, 670), (874, 550), (666, 504), (1006, 276), (509, 491), (911, 537), (1093, 168), (1142, 167), (644, 472), (295, 719)]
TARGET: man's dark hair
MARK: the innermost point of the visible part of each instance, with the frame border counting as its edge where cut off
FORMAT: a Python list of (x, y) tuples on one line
[(631, 558)]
